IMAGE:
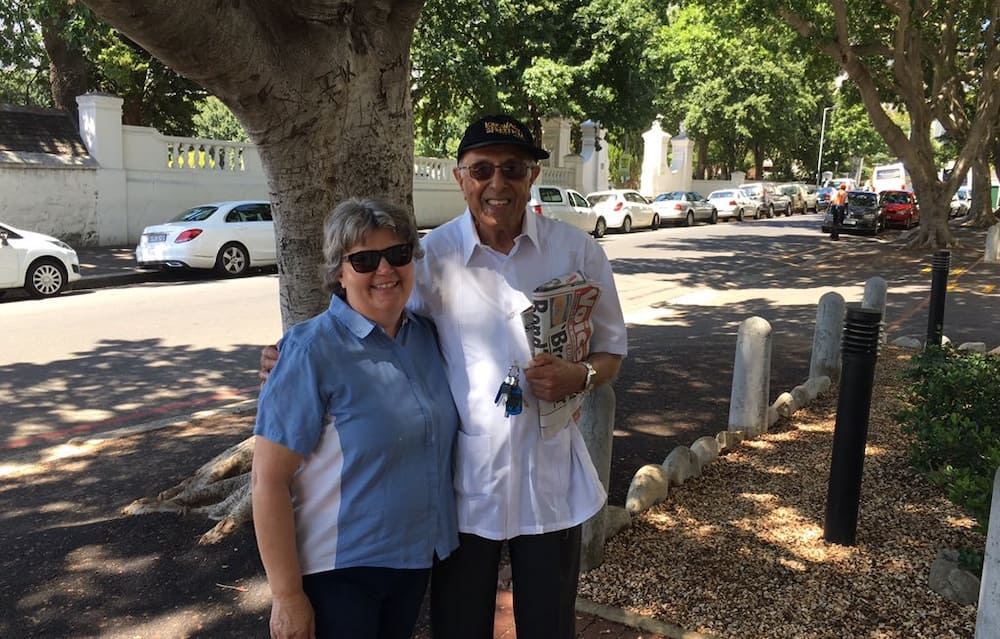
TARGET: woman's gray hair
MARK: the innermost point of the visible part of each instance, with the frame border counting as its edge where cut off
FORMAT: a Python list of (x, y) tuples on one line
[(350, 223)]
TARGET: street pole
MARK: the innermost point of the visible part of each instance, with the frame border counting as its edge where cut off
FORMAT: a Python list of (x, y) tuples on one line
[(822, 132)]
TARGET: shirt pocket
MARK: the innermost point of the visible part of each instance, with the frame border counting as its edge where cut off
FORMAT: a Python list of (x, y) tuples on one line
[(473, 465), (551, 467)]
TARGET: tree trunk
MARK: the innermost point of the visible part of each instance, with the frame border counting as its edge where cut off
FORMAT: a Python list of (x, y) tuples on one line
[(323, 89), (69, 71), (981, 206)]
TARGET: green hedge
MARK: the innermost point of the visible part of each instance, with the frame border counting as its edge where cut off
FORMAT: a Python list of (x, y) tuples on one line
[(954, 412)]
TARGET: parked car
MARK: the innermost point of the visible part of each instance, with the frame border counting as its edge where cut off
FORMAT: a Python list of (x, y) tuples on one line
[(733, 203), (823, 195), (560, 203), (960, 202), (899, 208), (836, 182), (230, 237), (763, 194), (863, 214), (623, 209), (812, 200), (41, 264), (685, 207), (796, 194)]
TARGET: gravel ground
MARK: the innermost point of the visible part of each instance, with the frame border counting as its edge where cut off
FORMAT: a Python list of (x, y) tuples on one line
[(739, 552)]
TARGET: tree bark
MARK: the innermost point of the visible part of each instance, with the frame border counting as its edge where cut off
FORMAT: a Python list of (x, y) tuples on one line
[(981, 206), (69, 71), (323, 89)]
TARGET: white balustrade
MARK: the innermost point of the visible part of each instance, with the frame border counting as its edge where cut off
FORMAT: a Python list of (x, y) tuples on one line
[(204, 155)]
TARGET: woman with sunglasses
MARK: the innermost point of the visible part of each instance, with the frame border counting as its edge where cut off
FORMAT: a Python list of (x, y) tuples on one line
[(352, 480)]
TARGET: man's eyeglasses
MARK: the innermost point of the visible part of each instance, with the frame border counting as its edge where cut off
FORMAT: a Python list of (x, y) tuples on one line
[(368, 261), (484, 170)]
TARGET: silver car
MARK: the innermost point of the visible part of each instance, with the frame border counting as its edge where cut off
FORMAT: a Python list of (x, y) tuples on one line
[(733, 203), (685, 207)]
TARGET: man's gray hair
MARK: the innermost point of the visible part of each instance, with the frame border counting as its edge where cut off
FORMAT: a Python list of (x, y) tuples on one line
[(350, 223)]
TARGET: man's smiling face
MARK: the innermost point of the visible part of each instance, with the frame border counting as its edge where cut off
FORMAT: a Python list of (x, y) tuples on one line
[(498, 203)]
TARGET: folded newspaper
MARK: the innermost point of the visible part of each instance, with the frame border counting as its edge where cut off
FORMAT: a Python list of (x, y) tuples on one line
[(558, 322)]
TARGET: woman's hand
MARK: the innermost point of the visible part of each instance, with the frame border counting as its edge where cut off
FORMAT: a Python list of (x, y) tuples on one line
[(292, 617)]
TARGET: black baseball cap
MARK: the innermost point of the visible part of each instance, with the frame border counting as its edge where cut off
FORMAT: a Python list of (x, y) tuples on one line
[(494, 130)]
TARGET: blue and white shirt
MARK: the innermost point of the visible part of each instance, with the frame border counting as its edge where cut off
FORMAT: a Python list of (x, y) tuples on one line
[(376, 423)]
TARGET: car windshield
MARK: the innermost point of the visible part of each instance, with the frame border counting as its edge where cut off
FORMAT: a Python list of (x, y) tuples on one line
[(752, 191), (720, 195), (197, 214), (789, 190), (895, 198), (601, 197), (861, 198)]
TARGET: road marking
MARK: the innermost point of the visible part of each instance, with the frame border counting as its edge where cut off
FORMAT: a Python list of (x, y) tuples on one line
[(223, 395)]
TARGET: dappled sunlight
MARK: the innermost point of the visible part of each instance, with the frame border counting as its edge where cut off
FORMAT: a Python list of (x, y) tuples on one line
[(80, 416)]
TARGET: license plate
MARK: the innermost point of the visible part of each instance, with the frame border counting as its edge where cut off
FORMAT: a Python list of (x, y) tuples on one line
[(850, 222), (152, 238)]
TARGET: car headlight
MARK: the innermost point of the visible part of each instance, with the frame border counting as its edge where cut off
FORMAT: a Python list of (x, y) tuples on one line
[(62, 245)]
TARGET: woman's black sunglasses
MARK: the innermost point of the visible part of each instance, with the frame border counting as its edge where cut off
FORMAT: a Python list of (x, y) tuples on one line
[(368, 261)]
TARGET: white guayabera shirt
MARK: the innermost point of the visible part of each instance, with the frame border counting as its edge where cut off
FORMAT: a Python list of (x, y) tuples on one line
[(509, 481)]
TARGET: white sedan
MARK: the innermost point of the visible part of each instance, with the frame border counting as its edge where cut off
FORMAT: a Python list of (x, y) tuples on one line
[(624, 209), (43, 265), (733, 203), (230, 237)]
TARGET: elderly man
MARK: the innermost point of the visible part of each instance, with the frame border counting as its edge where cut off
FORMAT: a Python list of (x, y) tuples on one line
[(512, 484)]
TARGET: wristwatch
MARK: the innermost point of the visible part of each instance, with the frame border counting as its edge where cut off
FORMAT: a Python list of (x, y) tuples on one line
[(591, 375)]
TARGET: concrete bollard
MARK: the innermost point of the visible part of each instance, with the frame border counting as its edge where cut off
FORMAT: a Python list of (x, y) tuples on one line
[(988, 615), (876, 291), (748, 405), (825, 361), (992, 255), (597, 421)]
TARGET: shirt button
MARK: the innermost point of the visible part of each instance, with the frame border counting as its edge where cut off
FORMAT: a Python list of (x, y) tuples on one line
[(511, 315)]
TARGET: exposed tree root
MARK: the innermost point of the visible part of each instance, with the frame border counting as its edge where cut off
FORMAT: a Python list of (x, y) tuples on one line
[(219, 490)]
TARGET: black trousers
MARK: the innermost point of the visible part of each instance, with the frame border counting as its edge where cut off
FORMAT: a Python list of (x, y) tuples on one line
[(837, 212), (545, 570), (366, 603)]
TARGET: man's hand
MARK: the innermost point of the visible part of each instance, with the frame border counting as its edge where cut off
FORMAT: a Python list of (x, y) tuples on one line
[(268, 358), (552, 378)]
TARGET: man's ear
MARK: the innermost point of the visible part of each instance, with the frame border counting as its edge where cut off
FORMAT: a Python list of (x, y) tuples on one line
[(535, 171)]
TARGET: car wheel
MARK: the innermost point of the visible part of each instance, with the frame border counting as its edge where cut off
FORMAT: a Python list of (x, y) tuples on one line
[(656, 222), (233, 260), (627, 225), (45, 278), (739, 215), (715, 217), (600, 228), (689, 220)]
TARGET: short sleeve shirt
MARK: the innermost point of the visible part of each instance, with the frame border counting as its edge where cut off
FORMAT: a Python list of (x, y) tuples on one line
[(376, 424), (509, 481)]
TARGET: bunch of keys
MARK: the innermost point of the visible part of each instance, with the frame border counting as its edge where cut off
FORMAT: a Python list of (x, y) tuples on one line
[(510, 394)]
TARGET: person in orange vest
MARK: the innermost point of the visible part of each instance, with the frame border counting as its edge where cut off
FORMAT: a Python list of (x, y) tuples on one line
[(838, 202)]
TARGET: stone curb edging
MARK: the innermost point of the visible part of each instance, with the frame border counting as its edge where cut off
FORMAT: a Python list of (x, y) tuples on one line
[(639, 622)]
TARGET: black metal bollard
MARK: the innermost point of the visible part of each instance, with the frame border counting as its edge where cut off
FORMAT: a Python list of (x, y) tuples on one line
[(940, 264), (860, 346)]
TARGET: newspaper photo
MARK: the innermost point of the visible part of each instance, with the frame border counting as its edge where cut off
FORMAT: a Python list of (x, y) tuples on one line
[(558, 322)]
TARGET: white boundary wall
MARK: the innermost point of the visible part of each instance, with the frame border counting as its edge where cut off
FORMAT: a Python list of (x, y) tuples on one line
[(137, 176)]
